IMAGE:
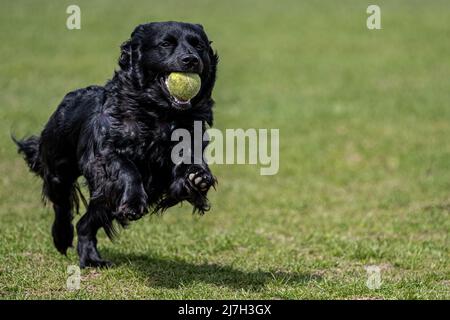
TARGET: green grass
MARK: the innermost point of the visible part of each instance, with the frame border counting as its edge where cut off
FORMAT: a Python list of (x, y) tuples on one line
[(364, 119)]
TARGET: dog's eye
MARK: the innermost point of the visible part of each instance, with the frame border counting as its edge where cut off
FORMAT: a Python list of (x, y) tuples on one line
[(200, 47), (165, 44)]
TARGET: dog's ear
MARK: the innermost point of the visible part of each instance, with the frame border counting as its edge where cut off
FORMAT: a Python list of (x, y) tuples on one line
[(206, 92), (125, 55), (129, 47), (131, 56), (213, 56), (214, 60), (140, 28)]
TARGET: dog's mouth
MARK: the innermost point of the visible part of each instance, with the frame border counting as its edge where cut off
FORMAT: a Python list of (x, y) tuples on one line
[(174, 101)]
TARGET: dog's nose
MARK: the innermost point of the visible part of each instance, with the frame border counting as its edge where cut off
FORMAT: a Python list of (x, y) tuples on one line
[(190, 60)]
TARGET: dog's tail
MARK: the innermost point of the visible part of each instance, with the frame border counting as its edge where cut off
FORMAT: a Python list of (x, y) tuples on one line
[(29, 148)]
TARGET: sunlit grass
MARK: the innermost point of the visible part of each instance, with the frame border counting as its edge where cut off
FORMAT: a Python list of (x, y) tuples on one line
[(364, 178)]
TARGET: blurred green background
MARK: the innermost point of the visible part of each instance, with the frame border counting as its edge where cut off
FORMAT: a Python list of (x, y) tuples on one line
[(364, 119)]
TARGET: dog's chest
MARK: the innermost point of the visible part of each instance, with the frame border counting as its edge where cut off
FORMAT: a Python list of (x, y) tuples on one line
[(141, 141)]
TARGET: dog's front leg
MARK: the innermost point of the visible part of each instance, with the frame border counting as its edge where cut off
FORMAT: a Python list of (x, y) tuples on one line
[(192, 179), (191, 183), (116, 193), (118, 181)]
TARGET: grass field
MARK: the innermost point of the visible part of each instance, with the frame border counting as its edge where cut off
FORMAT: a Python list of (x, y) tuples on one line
[(364, 119)]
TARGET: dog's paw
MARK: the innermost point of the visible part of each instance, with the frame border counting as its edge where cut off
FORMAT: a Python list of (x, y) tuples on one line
[(89, 255), (132, 207), (62, 236), (130, 211), (95, 263), (201, 180)]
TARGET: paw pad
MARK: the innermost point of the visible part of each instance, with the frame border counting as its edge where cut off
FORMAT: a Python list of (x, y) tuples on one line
[(200, 180)]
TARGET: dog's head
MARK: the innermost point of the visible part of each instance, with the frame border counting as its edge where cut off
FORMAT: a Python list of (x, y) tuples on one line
[(157, 49)]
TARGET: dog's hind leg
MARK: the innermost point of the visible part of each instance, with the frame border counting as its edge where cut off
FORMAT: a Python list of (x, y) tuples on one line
[(95, 218), (62, 228), (60, 191)]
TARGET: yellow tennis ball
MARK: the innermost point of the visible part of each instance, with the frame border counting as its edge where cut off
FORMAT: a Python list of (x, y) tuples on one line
[(183, 86)]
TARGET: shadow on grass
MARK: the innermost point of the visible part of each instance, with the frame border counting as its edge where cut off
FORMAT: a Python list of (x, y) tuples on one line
[(173, 273), (440, 206)]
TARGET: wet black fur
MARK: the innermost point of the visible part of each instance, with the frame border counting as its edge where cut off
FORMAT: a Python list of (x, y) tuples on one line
[(118, 137)]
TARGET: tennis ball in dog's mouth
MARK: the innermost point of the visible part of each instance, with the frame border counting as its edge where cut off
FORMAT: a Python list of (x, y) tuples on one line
[(183, 86)]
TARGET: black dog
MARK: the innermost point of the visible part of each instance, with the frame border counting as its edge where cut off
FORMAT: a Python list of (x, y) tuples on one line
[(119, 138)]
